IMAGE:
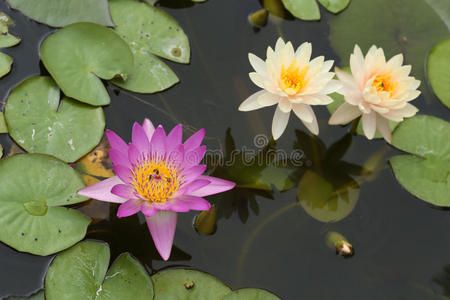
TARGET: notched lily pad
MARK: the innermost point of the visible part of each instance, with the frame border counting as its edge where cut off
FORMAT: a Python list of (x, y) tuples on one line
[(188, 285), (78, 55), (5, 64), (37, 296), (439, 71), (33, 188), (149, 31), (6, 39), (59, 13), (308, 10), (426, 173), (80, 273), (250, 294), (40, 123)]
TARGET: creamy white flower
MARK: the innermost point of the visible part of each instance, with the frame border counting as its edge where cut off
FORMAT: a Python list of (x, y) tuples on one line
[(377, 90), (293, 81)]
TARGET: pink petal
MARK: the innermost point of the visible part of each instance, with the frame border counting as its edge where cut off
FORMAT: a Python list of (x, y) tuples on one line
[(148, 128), (195, 156), (176, 156), (139, 139), (369, 123), (102, 190), (194, 202), (344, 114), (158, 142), (162, 228), (195, 185), (116, 142), (177, 205), (148, 209), (193, 173), (134, 155), (384, 129), (194, 140), (216, 186), (129, 208), (124, 191), (174, 138), (118, 158), (123, 172)]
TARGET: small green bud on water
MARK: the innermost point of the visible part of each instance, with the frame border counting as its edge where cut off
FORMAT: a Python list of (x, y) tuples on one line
[(205, 222), (338, 242), (258, 18)]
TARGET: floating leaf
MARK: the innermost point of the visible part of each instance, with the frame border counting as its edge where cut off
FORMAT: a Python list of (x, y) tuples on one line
[(59, 13), (307, 10), (3, 127), (6, 39), (5, 64), (79, 273), (40, 123), (400, 26), (77, 55), (33, 187), (439, 71), (334, 6), (426, 173), (187, 284), (149, 31), (250, 294), (322, 201), (38, 296), (339, 99)]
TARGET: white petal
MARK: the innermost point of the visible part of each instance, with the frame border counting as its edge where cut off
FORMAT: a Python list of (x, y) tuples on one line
[(379, 109), (279, 123), (251, 103), (332, 87), (303, 112), (257, 63), (396, 61), (303, 54), (258, 79), (408, 111), (316, 99), (344, 114), (286, 55), (312, 126), (268, 99), (345, 77), (279, 45), (284, 105), (369, 122), (357, 65), (383, 128)]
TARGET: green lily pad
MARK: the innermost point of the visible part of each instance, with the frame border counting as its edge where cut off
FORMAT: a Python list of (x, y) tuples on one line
[(339, 99), (187, 285), (439, 71), (334, 6), (59, 13), (149, 31), (40, 123), (400, 26), (426, 173), (38, 296), (6, 39), (3, 127), (33, 187), (78, 55), (79, 273), (308, 10), (322, 201), (5, 64), (250, 294)]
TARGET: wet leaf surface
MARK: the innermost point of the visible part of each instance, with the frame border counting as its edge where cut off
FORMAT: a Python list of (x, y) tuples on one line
[(40, 123), (7, 39), (426, 173), (59, 13), (33, 188), (439, 71), (78, 56)]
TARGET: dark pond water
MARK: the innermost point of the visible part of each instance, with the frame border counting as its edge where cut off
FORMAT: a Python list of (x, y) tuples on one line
[(402, 244)]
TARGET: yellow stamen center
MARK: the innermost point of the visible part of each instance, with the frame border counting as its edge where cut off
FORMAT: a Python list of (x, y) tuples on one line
[(384, 83), (155, 180), (293, 79)]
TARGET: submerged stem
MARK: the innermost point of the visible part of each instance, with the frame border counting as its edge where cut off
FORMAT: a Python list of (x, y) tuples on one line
[(354, 126)]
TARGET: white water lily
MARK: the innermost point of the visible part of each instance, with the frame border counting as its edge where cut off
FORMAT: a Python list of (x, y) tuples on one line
[(293, 81), (377, 89)]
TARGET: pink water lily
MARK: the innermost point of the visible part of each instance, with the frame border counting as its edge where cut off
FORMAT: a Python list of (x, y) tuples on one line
[(160, 176)]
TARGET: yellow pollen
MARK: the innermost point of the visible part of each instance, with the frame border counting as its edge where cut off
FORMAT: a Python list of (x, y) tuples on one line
[(155, 180), (293, 79), (384, 83)]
